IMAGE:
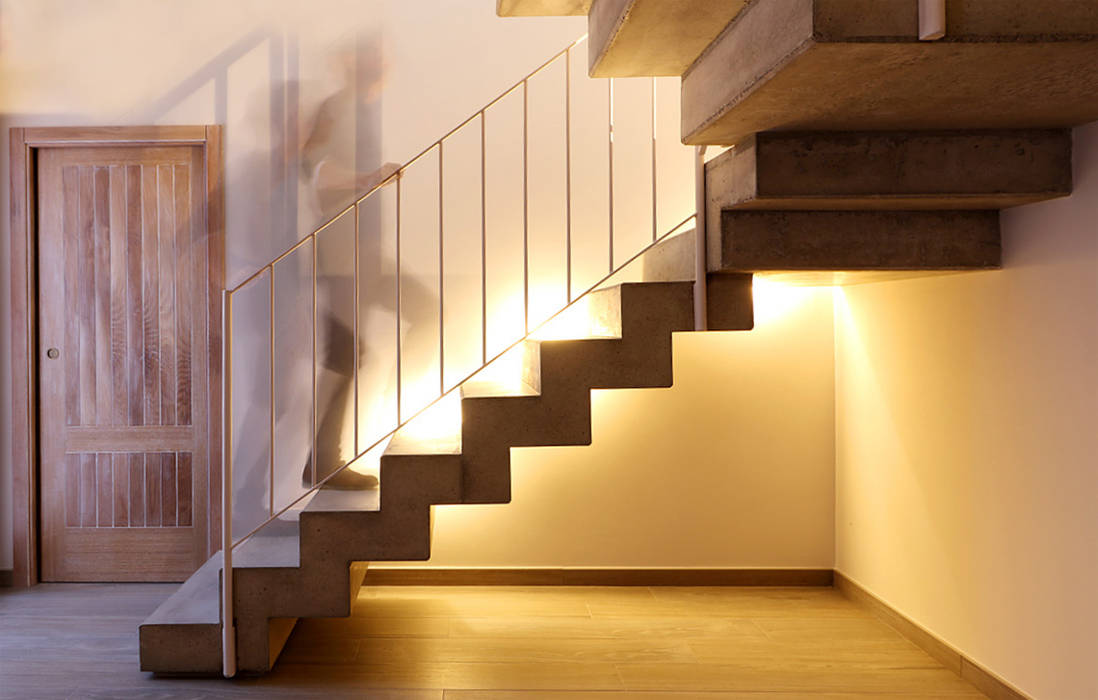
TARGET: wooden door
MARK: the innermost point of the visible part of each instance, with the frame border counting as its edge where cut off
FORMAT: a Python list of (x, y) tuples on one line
[(123, 372)]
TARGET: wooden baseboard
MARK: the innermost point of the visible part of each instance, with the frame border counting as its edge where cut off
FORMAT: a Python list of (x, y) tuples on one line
[(6, 578), (376, 576), (985, 681)]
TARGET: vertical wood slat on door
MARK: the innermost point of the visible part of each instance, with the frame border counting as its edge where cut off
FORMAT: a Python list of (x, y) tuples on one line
[(71, 231), (137, 490), (150, 304), (166, 235), (72, 490), (136, 337), (104, 380), (184, 290), (152, 490), (184, 479), (168, 489), (87, 380), (86, 303), (119, 278), (72, 243), (136, 345)]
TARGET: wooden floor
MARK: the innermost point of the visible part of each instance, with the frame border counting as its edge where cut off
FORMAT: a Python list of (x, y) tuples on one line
[(495, 643)]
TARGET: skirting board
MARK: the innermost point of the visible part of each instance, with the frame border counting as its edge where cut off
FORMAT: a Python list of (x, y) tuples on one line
[(5, 578), (985, 681), (377, 576)]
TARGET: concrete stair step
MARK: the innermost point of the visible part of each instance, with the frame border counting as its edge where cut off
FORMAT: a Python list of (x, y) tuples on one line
[(890, 170), (542, 8), (853, 65), (183, 635), (769, 241), (632, 38)]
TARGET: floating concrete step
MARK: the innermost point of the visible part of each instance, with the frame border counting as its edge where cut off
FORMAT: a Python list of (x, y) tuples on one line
[(856, 65), (630, 38), (542, 8), (890, 170), (770, 241), (183, 635)]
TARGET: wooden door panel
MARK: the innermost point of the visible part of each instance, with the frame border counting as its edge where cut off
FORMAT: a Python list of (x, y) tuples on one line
[(123, 299)]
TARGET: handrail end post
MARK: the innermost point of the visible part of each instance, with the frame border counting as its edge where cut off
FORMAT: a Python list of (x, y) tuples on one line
[(932, 19), (701, 302)]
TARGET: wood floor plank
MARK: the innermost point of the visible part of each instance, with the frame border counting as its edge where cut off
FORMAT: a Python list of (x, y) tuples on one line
[(533, 651), (501, 676), (360, 626), (838, 654), (605, 627), (700, 677)]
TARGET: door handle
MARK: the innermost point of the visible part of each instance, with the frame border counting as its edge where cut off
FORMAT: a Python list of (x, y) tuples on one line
[(53, 353)]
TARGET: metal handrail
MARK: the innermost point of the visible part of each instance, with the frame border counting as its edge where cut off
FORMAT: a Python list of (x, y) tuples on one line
[(395, 181)]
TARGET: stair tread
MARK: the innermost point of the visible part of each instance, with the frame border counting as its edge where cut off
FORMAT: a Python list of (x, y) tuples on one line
[(481, 388), (195, 601), (419, 445), (333, 500), (262, 551)]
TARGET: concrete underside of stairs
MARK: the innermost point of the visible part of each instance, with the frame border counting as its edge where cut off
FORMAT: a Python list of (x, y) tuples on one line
[(630, 38), (542, 8), (858, 65)]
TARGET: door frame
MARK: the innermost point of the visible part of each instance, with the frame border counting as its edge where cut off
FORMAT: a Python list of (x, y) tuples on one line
[(25, 143)]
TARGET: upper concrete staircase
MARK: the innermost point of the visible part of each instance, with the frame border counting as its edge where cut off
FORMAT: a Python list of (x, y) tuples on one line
[(860, 152)]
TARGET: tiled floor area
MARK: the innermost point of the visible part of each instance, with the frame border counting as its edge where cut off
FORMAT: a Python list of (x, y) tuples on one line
[(495, 643)]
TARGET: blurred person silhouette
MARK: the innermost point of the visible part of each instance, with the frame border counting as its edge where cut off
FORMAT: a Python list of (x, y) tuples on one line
[(329, 168)]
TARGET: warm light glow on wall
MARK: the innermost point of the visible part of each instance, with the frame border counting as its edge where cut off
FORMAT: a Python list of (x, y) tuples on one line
[(440, 421), (774, 299)]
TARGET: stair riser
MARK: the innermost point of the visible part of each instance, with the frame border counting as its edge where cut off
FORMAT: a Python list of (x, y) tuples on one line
[(183, 649), (890, 170), (761, 241)]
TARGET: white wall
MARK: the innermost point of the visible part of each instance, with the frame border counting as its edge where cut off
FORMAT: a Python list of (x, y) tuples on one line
[(967, 447)]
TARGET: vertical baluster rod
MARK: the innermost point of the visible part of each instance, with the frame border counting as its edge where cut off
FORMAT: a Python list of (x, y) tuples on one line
[(312, 461), (354, 324), (525, 207), (228, 626), (271, 359), (568, 172), (610, 158), (654, 220), (483, 242), (441, 286), (399, 349)]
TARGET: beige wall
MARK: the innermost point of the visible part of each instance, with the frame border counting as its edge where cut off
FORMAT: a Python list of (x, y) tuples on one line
[(139, 62), (967, 446), (731, 467), (614, 504)]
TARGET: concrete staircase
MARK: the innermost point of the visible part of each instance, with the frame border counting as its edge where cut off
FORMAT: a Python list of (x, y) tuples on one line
[(313, 568), (860, 153)]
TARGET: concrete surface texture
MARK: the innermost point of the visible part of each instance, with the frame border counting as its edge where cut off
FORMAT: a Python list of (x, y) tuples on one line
[(851, 64)]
